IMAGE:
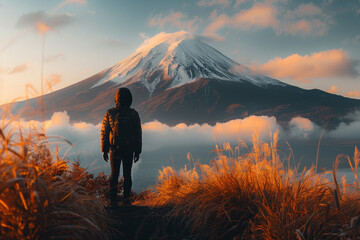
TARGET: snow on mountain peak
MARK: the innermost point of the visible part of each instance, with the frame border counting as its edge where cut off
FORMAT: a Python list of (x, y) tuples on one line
[(172, 39), (175, 59)]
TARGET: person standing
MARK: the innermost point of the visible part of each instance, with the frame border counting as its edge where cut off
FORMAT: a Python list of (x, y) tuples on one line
[(121, 135)]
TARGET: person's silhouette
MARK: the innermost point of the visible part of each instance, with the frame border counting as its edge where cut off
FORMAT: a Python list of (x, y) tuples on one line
[(121, 135)]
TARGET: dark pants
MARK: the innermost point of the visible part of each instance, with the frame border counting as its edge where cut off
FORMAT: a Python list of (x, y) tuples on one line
[(115, 161)]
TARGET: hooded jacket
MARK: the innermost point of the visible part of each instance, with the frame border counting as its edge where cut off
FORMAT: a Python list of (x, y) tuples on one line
[(123, 100)]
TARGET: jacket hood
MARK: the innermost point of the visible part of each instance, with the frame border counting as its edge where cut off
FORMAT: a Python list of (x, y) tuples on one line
[(123, 98)]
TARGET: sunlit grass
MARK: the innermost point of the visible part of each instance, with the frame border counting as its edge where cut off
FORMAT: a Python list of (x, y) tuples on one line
[(254, 196), (40, 197)]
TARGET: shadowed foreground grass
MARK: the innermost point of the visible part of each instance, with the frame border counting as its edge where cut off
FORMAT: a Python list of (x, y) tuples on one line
[(253, 196), (40, 194)]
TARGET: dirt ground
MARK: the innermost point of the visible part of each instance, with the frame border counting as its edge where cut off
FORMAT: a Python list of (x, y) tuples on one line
[(141, 222)]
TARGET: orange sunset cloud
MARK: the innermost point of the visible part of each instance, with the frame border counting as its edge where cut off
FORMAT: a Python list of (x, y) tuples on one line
[(353, 94), (42, 28), (333, 89), (260, 15), (326, 64)]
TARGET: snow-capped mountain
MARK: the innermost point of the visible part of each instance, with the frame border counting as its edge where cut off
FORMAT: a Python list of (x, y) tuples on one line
[(179, 78), (171, 60)]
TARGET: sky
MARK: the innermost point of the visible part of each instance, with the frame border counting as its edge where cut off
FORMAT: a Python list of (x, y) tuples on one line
[(310, 44)]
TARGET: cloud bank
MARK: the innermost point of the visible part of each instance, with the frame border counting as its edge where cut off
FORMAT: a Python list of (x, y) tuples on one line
[(158, 135), (348, 129), (85, 137), (326, 64), (353, 94)]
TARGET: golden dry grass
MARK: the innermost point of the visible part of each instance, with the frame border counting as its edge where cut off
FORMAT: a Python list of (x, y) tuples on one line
[(253, 196), (38, 199)]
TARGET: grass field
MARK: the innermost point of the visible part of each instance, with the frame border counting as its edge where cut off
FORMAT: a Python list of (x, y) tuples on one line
[(254, 196)]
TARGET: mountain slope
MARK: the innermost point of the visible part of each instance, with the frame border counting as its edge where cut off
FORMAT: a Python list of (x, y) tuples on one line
[(211, 101)]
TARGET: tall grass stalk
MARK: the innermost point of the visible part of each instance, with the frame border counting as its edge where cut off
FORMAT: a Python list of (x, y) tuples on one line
[(253, 196)]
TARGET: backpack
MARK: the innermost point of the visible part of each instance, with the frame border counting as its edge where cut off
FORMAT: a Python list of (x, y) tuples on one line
[(124, 130)]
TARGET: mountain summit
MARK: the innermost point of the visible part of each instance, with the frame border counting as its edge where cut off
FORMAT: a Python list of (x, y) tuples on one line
[(172, 59), (176, 77)]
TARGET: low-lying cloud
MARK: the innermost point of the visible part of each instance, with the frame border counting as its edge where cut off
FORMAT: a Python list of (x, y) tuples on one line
[(348, 129), (85, 137), (302, 128), (158, 135)]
